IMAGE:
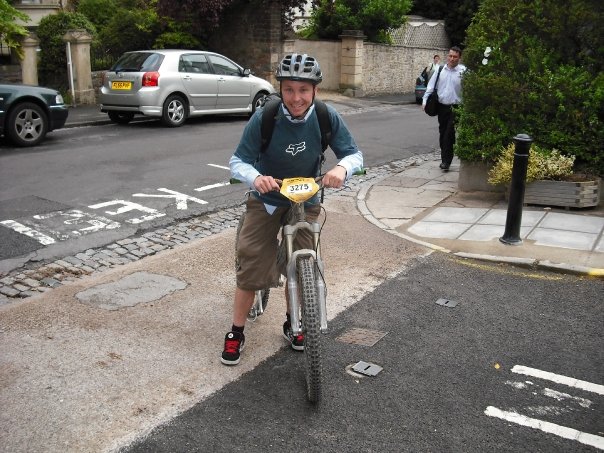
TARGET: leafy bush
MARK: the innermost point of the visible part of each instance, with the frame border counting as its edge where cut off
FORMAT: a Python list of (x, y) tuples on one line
[(373, 17), (543, 78), (541, 165), (11, 33), (53, 59)]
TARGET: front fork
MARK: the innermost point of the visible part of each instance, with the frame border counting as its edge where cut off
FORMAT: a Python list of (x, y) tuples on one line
[(289, 232)]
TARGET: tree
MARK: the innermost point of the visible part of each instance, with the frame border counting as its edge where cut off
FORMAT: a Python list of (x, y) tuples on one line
[(205, 15), (373, 17), (536, 68), (10, 32), (457, 15)]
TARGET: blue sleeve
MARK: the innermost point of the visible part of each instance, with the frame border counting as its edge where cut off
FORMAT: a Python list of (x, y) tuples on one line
[(248, 151)]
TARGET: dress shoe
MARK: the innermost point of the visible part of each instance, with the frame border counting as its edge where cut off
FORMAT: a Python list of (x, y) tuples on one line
[(444, 166)]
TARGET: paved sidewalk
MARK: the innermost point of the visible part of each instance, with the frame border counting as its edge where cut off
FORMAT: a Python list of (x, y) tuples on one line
[(422, 204)]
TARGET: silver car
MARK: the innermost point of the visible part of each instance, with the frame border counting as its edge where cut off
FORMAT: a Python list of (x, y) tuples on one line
[(176, 84)]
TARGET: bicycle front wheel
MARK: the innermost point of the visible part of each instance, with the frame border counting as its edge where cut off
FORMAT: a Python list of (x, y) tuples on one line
[(311, 325)]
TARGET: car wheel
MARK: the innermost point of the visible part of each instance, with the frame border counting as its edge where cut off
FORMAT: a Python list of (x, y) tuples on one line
[(27, 124), (174, 112), (120, 117), (258, 99)]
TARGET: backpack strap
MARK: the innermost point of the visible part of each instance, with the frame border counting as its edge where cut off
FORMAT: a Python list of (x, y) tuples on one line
[(269, 116), (324, 123)]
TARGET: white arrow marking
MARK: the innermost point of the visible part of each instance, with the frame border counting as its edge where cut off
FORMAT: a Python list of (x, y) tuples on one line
[(27, 231), (181, 198)]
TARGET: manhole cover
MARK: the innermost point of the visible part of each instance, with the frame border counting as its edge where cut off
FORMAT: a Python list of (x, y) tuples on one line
[(362, 337)]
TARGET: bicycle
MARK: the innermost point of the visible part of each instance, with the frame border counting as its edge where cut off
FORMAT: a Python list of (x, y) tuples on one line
[(305, 282)]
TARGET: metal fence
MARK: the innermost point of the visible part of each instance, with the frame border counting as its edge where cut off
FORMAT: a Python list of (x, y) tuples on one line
[(101, 59)]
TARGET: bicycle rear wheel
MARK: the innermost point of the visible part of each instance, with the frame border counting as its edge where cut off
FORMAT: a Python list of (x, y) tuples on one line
[(311, 325)]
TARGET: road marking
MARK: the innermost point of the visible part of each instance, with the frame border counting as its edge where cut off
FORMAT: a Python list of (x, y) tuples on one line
[(551, 428), (181, 198), (27, 231), (129, 206), (212, 186), (565, 380), (77, 217), (219, 166)]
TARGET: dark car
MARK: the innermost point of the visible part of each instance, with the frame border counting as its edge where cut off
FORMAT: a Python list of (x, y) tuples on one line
[(420, 87), (28, 113)]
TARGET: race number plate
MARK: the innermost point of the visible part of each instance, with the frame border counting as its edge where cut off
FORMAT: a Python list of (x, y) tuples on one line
[(299, 190)]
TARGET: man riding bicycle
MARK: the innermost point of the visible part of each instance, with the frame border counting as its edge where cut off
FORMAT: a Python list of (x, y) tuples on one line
[(294, 150)]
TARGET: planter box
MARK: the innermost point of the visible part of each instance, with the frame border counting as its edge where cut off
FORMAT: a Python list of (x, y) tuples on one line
[(563, 193)]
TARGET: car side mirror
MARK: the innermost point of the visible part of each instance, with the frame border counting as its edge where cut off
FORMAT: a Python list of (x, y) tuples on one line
[(247, 72)]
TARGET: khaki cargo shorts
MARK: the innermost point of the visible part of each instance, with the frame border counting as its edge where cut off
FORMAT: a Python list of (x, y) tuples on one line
[(258, 244)]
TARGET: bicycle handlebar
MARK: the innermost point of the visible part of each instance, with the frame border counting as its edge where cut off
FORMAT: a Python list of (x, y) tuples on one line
[(361, 172)]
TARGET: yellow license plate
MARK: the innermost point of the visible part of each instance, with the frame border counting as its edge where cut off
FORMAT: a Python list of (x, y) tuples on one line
[(121, 85)]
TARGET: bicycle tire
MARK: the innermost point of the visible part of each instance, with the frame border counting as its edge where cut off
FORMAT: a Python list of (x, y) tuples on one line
[(311, 324)]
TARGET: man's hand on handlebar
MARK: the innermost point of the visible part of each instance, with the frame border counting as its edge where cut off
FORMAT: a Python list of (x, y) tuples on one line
[(335, 177), (265, 184)]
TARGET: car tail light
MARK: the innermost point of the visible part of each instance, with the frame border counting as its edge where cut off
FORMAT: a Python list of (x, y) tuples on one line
[(151, 79)]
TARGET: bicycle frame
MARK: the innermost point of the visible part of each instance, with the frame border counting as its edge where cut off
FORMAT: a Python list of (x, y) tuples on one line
[(289, 231)]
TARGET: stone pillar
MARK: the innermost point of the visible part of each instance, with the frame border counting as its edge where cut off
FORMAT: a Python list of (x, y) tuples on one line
[(351, 73), (79, 42), (29, 63)]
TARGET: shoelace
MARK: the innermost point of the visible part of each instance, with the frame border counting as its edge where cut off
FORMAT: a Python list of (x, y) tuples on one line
[(231, 346)]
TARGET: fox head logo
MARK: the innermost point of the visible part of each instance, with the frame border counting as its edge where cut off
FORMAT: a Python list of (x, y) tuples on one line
[(296, 148)]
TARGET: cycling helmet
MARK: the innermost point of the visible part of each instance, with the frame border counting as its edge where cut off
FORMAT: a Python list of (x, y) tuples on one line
[(299, 67)]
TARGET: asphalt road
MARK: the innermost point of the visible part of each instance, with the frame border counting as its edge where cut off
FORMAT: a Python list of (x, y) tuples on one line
[(89, 186), (450, 376)]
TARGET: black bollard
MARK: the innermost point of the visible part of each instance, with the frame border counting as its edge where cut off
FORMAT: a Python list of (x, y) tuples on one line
[(511, 235)]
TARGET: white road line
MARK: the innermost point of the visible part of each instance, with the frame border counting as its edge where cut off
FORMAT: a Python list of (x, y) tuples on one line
[(181, 198), (565, 380), (211, 186), (551, 428), (219, 166), (27, 231)]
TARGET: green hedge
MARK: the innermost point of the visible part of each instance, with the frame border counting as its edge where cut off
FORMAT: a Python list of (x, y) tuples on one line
[(53, 59), (543, 77)]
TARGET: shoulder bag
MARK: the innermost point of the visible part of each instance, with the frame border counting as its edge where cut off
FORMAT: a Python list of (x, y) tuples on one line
[(431, 108)]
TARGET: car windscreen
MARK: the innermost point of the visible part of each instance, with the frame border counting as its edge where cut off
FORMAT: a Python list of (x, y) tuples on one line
[(138, 62)]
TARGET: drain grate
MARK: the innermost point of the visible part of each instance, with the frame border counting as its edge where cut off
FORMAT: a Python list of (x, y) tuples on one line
[(446, 303), (362, 337)]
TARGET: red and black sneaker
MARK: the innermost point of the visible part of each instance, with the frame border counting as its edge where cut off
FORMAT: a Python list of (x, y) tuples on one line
[(296, 341), (233, 345)]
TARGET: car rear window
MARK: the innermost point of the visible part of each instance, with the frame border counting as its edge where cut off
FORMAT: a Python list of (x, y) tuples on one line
[(138, 62)]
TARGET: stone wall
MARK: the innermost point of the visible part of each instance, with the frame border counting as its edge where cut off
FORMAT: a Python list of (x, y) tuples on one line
[(386, 69), (326, 52)]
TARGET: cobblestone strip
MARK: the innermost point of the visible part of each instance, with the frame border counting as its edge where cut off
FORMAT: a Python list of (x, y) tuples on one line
[(26, 282)]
